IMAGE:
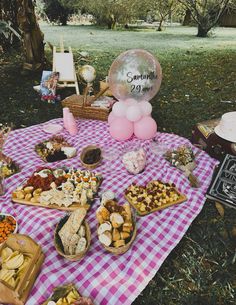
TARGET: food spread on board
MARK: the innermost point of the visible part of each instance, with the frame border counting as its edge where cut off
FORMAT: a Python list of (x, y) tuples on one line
[(55, 149), (59, 188), (156, 195)]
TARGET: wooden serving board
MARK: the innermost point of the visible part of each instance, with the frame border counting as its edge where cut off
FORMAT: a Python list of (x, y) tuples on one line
[(72, 207), (45, 160), (69, 288), (164, 206)]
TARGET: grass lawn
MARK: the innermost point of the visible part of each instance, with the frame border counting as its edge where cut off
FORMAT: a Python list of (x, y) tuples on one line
[(199, 82)]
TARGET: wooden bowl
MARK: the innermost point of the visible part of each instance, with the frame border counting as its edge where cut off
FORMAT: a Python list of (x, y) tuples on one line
[(125, 248), (84, 151), (58, 244)]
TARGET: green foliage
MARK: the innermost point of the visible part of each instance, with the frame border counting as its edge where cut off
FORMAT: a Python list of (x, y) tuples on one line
[(40, 9), (57, 11), (206, 13), (158, 8), (8, 13), (110, 12), (6, 29)]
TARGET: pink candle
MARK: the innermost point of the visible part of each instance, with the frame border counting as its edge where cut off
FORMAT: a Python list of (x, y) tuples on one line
[(72, 126)]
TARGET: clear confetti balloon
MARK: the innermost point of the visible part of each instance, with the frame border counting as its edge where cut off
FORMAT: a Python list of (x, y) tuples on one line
[(87, 73), (135, 74)]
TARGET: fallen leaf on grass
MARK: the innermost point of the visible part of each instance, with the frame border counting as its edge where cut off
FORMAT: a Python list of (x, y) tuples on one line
[(224, 234), (206, 264), (216, 89), (233, 232), (191, 286), (220, 209), (226, 102)]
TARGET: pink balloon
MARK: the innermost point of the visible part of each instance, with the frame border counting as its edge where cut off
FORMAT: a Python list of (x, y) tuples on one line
[(133, 113), (111, 118), (146, 108), (121, 129), (145, 128), (131, 102), (119, 109)]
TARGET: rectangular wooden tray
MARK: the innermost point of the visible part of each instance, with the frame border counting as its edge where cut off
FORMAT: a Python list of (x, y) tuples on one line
[(44, 159), (72, 286), (72, 207), (164, 206)]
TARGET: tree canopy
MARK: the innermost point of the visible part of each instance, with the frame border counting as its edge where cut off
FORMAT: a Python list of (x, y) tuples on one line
[(206, 13), (57, 11), (162, 9), (111, 12)]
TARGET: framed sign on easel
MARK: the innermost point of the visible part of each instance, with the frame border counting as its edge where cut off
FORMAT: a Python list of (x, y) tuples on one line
[(63, 63)]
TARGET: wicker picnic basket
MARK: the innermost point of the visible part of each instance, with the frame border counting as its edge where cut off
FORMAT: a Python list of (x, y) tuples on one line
[(80, 106), (125, 248), (58, 244)]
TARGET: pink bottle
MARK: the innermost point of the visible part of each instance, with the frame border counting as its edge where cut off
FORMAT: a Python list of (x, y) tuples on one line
[(66, 112), (72, 126)]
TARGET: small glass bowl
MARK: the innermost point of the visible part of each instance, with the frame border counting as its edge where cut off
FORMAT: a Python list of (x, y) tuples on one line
[(111, 153), (158, 149)]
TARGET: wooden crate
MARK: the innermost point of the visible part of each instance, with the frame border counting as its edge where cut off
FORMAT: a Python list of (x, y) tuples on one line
[(28, 247)]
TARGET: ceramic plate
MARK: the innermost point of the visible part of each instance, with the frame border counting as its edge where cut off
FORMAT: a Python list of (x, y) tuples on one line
[(52, 128)]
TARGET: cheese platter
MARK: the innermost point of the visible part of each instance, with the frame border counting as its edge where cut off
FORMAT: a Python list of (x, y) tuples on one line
[(153, 197), (59, 189)]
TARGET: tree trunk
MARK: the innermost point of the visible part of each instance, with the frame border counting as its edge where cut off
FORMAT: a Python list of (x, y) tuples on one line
[(32, 36), (160, 25), (187, 17), (109, 25), (63, 20), (202, 32), (111, 22), (170, 17), (113, 26)]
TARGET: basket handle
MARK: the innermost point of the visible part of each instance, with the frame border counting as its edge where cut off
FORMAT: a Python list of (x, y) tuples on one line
[(99, 94), (85, 95)]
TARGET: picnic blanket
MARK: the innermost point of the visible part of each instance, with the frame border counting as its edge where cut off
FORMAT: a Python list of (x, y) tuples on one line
[(106, 278)]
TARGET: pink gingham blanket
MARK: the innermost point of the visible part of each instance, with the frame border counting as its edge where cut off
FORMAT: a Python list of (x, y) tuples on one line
[(106, 278)]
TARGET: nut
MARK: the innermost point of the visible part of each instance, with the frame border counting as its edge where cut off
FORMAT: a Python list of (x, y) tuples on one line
[(35, 199), (28, 196), (28, 189), (20, 195), (37, 192)]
